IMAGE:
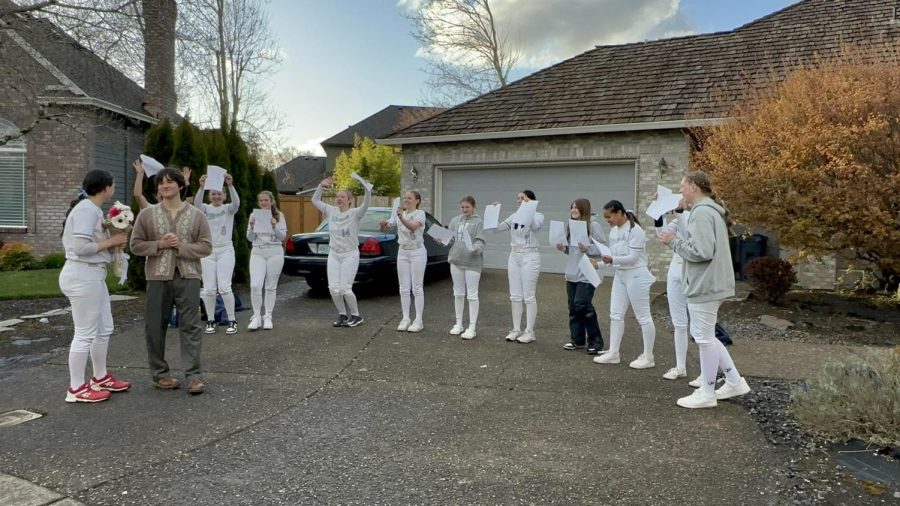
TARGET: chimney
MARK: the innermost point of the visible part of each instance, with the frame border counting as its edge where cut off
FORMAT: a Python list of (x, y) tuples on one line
[(159, 57)]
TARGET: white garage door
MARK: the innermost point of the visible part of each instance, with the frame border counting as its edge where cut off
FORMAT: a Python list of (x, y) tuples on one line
[(555, 186)]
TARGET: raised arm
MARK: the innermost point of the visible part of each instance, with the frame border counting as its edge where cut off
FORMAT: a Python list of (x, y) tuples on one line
[(537, 222), (317, 197), (367, 199), (235, 205), (138, 191)]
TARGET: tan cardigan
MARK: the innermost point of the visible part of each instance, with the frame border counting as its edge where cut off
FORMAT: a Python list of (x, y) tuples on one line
[(194, 242)]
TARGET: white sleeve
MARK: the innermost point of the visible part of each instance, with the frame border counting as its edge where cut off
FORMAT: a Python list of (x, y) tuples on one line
[(636, 241), (537, 222), (84, 222), (326, 209)]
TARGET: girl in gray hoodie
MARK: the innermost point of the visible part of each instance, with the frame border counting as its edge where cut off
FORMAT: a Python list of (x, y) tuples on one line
[(466, 259), (708, 279)]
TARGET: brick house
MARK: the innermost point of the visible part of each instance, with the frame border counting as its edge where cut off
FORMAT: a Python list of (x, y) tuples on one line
[(77, 112), (615, 121)]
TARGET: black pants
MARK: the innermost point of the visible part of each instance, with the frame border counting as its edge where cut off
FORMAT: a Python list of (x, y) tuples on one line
[(583, 316)]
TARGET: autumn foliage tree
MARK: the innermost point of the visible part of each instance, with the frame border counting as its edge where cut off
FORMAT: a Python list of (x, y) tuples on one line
[(816, 159)]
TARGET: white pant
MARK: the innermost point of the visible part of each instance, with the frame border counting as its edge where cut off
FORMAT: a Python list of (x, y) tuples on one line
[(523, 270), (411, 277), (85, 286), (465, 286), (217, 271), (342, 269), (678, 312), (631, 286), (713, 354), (265, 269)]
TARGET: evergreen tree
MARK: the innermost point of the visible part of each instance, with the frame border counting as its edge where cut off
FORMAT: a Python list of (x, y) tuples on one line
[(379, 165), (189, 150)]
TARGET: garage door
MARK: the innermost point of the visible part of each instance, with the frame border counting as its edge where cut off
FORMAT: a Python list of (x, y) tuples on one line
[(555, 186)]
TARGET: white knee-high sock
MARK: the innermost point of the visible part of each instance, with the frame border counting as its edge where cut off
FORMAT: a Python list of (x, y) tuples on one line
[(271, 296), (681, 346), (709, 365), (405, 300), (339, 303), (256, 300), (725, 363), (351, 303), (98, 356), (209, 303), (616, 331), (228, 299), (473, 314), (648, 333), (530, 316), (77, 362), (517, 309), (420, 306), (458, 305)]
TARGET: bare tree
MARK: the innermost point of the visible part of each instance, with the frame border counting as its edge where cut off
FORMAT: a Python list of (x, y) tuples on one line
[(467, 52)]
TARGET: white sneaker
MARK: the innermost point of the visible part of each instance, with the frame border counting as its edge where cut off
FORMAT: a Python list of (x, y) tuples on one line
[(469, 333), (675, 373), (267, 322), (513, 335), (404, 325), (698, 399), (729, 390), (642, 362), (416, 326), (697, 383), (607, 358), (456, 330), (254, 323), (526, 337)]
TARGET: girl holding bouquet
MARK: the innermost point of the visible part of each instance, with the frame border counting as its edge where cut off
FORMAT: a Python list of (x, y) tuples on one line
[(89, 248), (218, 267)]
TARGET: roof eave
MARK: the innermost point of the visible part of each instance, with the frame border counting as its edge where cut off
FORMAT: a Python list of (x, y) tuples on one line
[(100, 104), (550, 132)]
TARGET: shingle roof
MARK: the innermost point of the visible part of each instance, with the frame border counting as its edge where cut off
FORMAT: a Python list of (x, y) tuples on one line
[(96, 78), (301, 173), (668, 80), (382, 123)]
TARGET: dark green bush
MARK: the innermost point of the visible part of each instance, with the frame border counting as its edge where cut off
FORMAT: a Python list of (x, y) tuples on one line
[(53, 261)]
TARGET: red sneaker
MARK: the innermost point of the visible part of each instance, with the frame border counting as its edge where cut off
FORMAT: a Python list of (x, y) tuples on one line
[(110, 384), (86, 393)]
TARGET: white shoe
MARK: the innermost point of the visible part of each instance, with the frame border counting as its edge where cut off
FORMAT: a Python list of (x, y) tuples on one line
[(697, 383), (526, 337), (607, 358), (416, 326), (456, 330), (642, 362), (267, 322), (404, 325), (254, 323), (513, 335), (469, 333), (675, 373), (729, 390), (698, 399)]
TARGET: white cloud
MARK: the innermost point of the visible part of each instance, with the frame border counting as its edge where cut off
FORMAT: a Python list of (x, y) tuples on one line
[(549, 31), (312, 146)]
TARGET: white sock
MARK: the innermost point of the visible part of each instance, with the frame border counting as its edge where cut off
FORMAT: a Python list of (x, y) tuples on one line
[(228, 299), (339, 303), (530, 316), (681, 345), (351, 303), (725, 363), (77, 362), (420, 307), (98, 355), (209, 303), (616, 331), (709, 366), (648, 333), (517, 309), (256, 301), (271, 296), (473, 314), (405, 300), (458, 305)]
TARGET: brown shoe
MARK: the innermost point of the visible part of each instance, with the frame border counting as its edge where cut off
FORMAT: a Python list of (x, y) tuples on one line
[(166, 383), (196, 386)]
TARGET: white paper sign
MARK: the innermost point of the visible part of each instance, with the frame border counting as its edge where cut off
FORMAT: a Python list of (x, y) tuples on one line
[(604, 250), (215, 178), (151, 166), (665, 201), (557, 233), (262, 223), (588, 270), (525, 214), (365, 183), (440, 234), (578, 233), (467, 238), (392, 221), (491, 216)]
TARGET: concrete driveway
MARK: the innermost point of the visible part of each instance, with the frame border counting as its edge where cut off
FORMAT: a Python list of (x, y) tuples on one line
[(308, 414)]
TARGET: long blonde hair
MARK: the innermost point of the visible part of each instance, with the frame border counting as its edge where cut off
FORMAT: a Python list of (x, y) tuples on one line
[(704, 183), (275, 212)]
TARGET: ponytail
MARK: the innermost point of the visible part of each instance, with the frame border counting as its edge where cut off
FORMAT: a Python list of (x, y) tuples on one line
[(704, 183), (94, 182), (615, 206)]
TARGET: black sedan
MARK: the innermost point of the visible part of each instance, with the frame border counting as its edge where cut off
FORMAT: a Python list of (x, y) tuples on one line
[(307, 254)]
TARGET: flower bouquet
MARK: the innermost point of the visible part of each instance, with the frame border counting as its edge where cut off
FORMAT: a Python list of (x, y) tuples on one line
[(119, 220)]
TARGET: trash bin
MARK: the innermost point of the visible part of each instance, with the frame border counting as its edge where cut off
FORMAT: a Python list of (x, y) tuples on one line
[(750, 247)]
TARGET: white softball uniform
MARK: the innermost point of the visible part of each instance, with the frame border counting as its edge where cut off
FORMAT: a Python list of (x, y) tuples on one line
[(266, 261), (218, 268), (523, 269), (674, 293), (631, 284), (411, 261)]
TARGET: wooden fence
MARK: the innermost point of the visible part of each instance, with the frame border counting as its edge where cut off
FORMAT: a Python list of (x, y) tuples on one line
[(302, 216)]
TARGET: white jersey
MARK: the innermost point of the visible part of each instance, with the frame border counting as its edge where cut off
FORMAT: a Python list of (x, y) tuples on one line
[(221, 218), (522, 236), (274, 238), (343, 227), (411, 239), (83, 228), (627, 244)]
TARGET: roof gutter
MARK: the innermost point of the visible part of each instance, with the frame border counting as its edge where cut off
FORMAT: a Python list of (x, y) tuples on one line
[(548, 132), (100, 104)]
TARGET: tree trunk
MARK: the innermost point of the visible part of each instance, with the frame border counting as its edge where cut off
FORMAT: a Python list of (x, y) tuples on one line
[(159, 18)]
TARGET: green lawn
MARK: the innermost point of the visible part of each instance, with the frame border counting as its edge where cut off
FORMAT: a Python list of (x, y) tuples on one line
[(38, 284)]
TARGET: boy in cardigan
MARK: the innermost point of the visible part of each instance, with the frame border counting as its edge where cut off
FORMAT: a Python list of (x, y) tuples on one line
[(173, 236)]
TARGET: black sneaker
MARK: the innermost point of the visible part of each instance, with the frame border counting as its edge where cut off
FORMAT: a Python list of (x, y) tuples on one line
[(232, 328), (210, 327), (593, 351), (355, 320), (341, 321)]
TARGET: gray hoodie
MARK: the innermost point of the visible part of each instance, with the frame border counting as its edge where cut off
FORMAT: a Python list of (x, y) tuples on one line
[(460, 255), (708, 274)]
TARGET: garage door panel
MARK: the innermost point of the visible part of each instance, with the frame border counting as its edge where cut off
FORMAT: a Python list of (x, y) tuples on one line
[(554, 186)]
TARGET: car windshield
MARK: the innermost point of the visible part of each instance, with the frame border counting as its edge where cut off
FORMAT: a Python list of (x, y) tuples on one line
[(369, 223)]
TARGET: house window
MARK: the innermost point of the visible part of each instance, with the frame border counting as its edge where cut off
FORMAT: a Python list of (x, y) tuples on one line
[(12, 177)]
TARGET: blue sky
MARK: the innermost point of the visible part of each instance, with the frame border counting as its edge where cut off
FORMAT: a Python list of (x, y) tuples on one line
[(347, 59)]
